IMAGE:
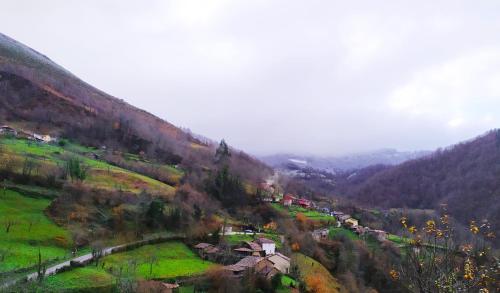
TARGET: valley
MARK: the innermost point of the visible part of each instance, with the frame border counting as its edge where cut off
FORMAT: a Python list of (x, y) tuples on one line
[(97, 195)]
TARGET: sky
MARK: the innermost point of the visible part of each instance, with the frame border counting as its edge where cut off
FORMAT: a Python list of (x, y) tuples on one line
[(307, 77)]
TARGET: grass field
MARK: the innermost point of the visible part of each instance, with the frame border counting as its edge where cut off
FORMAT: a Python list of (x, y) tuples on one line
[(238, 238), (342, 232), (171, 259), (398, 240), (286, 284), (86, 278), (310, 214), (308, 268), (20, 245), (101, 175)]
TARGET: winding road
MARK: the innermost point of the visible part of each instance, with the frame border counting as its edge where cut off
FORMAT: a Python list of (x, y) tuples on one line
[(85, 258)]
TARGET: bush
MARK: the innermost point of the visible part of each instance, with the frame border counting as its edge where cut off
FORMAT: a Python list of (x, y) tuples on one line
[(76, 169)]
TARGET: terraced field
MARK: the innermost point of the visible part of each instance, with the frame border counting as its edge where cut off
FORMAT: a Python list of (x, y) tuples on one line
[(25, 230), (50, 158)]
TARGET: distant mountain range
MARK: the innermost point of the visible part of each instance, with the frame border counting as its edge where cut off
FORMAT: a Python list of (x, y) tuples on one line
[(341, 163)]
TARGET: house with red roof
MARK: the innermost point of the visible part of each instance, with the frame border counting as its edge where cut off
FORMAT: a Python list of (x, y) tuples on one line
[(305, 203), (288, 200)]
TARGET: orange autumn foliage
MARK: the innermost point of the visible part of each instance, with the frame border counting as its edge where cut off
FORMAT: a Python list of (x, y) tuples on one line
[(301, 218), (316, 284)]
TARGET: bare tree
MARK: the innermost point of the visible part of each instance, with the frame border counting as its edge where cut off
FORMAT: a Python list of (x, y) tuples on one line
[(152, 260), (29, 165), (4, 187), (41, 268), (97, 251), (9, 223)]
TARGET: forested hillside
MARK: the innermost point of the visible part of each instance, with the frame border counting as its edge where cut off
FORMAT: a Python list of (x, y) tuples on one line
[(40, 96), (465, 177)]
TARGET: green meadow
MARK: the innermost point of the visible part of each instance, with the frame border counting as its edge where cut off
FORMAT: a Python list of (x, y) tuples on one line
[(342, 232), (238, 238), (166, 260), (88, 278), (30, 231), (310, 214), (101, 175), (309, 267)]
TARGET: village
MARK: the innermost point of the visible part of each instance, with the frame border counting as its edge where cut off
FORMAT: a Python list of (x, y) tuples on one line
[(262, 255), (341, 219), (253, 249)]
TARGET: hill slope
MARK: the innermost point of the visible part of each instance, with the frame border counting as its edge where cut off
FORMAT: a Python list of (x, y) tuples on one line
[(39, 95), (465, 177)]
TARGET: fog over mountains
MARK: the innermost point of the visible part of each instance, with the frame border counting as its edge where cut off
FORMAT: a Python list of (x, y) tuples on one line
[(342, 163)]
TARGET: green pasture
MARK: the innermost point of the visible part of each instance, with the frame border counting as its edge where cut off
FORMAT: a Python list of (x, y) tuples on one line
[(166, 260), (101, 174), (79, 279), (310, 214), (30, 230)]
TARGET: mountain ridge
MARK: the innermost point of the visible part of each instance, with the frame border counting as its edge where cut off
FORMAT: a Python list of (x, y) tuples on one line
[(335, 164), (48, 98), (462, 177)]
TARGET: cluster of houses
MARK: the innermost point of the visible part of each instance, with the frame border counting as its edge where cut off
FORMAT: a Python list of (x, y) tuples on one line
[(7, 130), (267, 266), (271, 194), (350, 223), (289, 200), (259, 256)]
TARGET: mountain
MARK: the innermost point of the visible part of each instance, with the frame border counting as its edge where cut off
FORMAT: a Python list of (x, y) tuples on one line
[(38, 95), (342, 163), (464, 177)]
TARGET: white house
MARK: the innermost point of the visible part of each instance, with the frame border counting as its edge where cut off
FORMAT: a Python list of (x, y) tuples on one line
[(228, 229), (5, 129), (267, 245), (41, 137)]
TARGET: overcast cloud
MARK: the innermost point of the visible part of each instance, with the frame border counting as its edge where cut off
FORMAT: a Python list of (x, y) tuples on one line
[(323, 77)]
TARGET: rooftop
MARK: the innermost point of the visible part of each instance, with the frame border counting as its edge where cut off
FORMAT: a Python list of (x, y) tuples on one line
[(263, 240), (202, 245), (249, 261), (254, 246)]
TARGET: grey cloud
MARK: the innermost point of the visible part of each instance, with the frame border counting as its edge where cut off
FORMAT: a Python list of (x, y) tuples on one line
[(320, 77)]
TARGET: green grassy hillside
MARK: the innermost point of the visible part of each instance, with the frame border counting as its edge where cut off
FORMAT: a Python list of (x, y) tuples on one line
[(88, 278), (171, 259), (49, 159), (24, 225), (310, 214), (316, 277), (30, 230)]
